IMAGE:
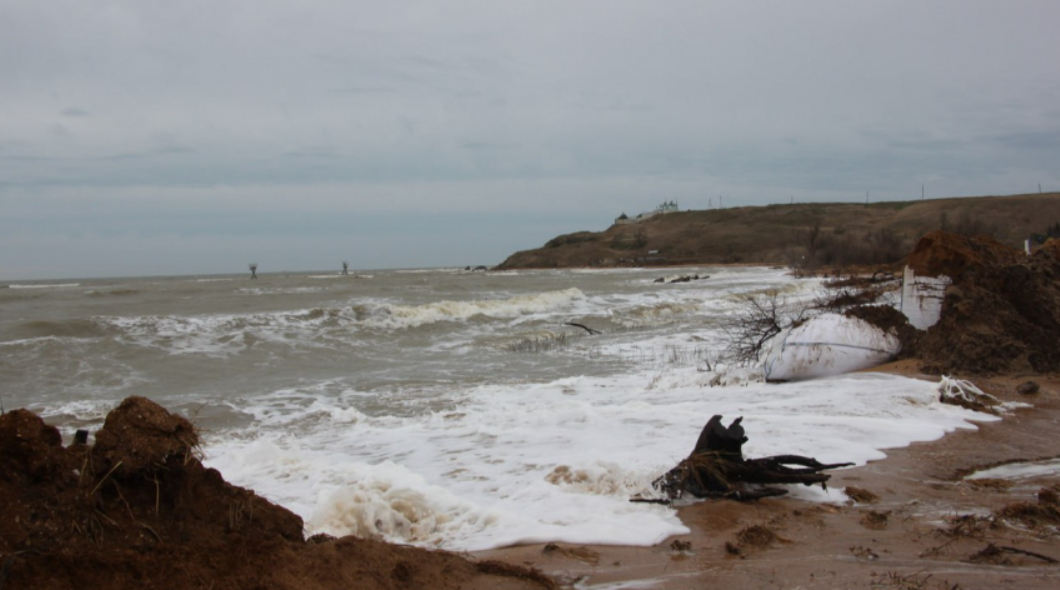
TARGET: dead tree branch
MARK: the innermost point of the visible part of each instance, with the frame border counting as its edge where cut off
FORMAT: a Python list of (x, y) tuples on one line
[(760, 318)]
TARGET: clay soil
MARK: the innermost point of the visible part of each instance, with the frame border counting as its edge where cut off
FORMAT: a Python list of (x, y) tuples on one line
[(1001, 314), (139, 510)]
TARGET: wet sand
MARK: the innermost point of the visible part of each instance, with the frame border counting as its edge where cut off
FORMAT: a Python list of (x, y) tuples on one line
[(924, 529)]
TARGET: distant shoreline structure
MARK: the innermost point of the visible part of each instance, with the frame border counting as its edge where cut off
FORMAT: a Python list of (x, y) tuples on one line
[(663, 208)]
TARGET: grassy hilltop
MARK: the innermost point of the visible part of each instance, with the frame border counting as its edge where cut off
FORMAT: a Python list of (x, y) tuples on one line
[(804, 234)]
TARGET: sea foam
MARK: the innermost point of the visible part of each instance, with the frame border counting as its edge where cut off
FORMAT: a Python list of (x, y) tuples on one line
[(559, 461)]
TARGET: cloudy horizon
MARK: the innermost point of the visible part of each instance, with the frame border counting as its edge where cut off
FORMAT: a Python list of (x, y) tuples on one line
[(159, 138)]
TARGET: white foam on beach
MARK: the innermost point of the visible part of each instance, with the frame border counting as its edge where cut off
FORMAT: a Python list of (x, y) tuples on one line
[(555, 461)]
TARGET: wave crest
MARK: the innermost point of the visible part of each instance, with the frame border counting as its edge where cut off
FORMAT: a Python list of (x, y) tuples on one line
[(393, 317)]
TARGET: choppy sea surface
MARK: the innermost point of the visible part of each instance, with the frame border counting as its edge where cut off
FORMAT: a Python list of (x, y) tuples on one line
[(446, 407)]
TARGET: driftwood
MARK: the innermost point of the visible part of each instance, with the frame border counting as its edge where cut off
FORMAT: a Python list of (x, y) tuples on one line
[(591, 331), (716, 468)]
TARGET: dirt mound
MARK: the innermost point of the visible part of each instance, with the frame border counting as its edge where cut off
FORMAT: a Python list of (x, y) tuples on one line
[(29, 450), (1000, 314), (140, 510), (139, 434), (943, 253)]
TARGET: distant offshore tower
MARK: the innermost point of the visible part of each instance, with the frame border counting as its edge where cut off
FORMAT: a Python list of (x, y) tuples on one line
[(253, 270)]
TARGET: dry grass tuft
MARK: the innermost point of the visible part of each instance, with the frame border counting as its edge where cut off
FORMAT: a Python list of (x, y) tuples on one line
[(1000, 555)]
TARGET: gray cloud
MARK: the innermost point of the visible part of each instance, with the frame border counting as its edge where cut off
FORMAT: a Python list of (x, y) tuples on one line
[(529, 118)]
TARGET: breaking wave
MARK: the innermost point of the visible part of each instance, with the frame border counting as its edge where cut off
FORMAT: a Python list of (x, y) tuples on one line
[(76, 328), (308, 328), (393, 317)]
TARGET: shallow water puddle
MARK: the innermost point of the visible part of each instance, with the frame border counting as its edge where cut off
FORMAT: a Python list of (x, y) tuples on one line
[(1020, 470)]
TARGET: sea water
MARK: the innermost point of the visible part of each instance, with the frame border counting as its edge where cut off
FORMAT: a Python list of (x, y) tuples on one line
[(445, 407)]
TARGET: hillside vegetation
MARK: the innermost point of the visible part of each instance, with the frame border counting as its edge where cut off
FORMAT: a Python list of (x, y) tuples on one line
[(804, 235)]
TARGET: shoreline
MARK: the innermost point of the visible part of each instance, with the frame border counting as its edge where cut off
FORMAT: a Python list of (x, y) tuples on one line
[(912, 521), (903, 539)]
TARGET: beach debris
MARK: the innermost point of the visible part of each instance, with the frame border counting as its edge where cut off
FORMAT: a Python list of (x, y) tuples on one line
[(716, 468), (959, 392), (591, 331), (754, 537), (681, 279), (861, 495), (865, 553), (998, 555), (1028, 388), (990, 484), (875, 520), (914, 581), (681, 548), (581, 553), (1042, 515)]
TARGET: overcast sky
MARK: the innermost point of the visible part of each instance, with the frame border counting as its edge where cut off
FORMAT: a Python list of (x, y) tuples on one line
[(184, 137)]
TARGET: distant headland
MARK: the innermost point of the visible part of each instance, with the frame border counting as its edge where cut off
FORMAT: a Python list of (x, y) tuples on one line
[(805, 235)]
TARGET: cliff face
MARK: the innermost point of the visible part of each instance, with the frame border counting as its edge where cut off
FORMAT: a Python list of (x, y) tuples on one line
[(805, 234)]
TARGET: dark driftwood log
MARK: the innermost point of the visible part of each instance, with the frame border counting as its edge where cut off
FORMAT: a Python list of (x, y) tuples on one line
[(716, 468)]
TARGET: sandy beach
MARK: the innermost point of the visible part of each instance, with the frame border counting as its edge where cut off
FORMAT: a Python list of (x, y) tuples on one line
[(925, 527)]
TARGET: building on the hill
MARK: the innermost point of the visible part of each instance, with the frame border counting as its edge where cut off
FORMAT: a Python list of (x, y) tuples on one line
[(662, 209)]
